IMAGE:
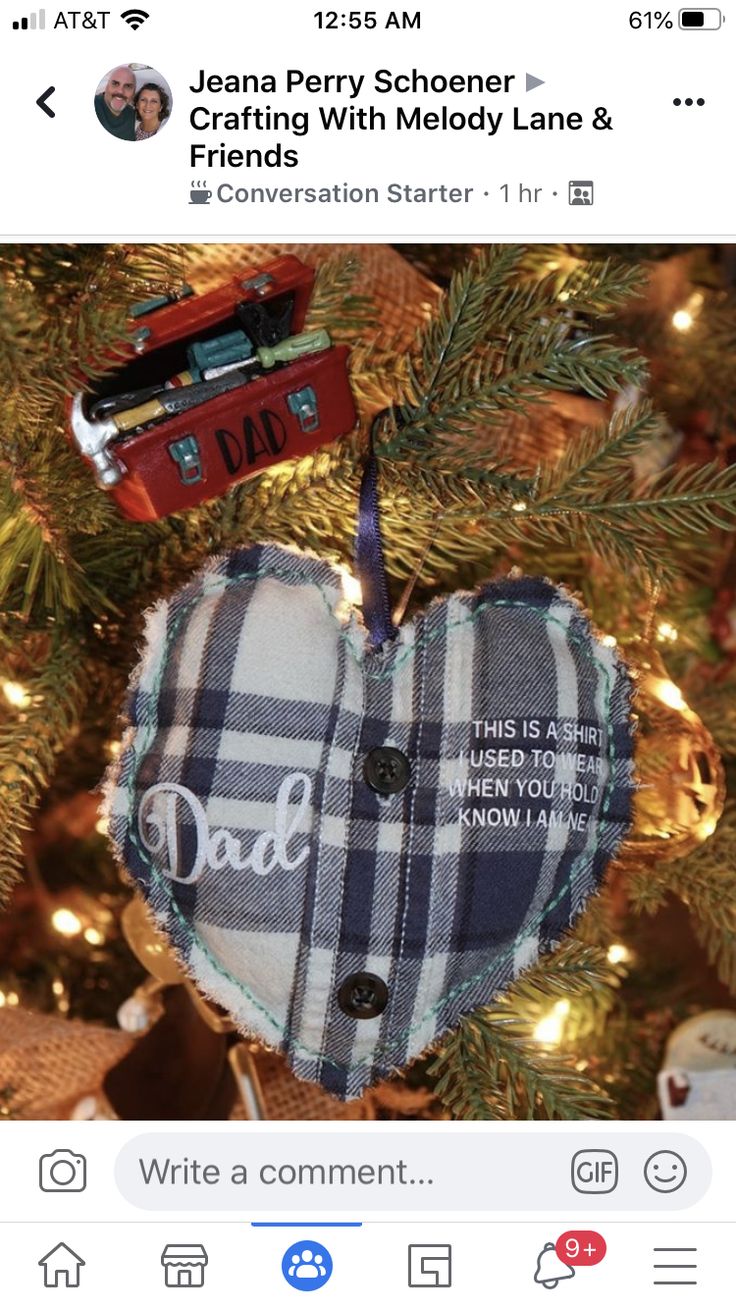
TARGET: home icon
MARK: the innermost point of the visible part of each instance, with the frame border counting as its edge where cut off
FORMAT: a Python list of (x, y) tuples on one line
[(184, 1265), (61, 1266)]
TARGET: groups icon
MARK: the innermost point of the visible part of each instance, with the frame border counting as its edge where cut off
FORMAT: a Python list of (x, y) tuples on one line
[(307, 1265)]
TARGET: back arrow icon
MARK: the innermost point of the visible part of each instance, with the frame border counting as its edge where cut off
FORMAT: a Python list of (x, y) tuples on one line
[(41, 102)]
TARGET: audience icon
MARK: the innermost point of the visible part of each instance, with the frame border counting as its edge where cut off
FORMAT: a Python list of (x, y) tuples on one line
[(580, 193)]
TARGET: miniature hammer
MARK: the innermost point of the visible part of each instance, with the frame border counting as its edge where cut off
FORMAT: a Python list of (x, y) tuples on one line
[(93, 437), (92, 440)]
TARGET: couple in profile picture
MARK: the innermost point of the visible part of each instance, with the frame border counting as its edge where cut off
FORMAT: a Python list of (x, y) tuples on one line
[(130, 105)]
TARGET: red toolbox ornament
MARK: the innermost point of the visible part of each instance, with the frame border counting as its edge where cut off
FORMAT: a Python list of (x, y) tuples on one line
[(217, 388)]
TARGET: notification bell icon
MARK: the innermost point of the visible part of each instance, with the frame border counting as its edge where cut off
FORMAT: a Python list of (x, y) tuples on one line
[(550, 1268)]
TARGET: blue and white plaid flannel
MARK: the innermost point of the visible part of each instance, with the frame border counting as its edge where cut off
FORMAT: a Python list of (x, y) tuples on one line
[(239, 802)]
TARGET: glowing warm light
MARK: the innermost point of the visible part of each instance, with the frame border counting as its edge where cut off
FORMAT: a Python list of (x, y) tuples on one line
[(93, 936), (16, 695), (618, 953), (113, 749), (666, 691), (682, 320), (708, 827), (667, 632), (549, 1030), (519, 506), (102, 825), (65, 922), (608, 640), (57, 987)]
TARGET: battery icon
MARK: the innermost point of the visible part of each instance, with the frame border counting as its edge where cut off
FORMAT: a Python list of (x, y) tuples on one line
[(700, 20)]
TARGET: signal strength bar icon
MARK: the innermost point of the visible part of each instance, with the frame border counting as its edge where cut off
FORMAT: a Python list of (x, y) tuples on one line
[(34, 22)]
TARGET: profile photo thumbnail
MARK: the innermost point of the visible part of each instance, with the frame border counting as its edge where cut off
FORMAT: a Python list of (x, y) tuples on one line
[(133, 102)]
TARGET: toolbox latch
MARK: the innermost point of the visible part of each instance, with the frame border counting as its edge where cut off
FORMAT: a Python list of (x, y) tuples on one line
[(304, 405), (185, 454), (160, 302), (260, 284), (140, 336)]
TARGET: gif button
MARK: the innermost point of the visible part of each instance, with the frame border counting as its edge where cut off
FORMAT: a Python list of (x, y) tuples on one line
[(595, 1172)]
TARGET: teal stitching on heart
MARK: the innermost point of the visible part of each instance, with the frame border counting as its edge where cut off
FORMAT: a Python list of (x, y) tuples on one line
[(194, 937)]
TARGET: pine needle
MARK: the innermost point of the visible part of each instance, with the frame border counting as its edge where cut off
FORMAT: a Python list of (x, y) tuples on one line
[(491, 1067)]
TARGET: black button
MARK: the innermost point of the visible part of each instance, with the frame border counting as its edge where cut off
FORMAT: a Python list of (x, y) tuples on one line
[(386, 770), (363, 995)]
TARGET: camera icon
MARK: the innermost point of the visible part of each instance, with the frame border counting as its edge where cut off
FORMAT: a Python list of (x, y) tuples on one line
[(62, 1170)]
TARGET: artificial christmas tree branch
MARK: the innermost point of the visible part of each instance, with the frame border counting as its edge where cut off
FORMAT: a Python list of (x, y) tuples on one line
[(46, 712), (495, 346), (65, 310), (663, 513), (492, 1066), (335, 306)]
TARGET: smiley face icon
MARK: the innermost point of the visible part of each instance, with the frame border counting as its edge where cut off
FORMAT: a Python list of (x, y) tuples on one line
[(665, 1171)]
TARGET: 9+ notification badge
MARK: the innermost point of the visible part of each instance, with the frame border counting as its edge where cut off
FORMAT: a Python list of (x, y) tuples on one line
[(557, 1261)]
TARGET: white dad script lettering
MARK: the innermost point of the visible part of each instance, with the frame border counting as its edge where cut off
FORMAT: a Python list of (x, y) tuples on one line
[(159, 828)]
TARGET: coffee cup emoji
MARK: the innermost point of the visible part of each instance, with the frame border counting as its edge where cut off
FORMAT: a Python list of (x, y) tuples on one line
[(200, 196)]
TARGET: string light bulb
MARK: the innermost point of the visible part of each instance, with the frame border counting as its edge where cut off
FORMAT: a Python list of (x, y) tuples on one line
[(684, 318), (550, 1029), (618, 953), (65, 922), (16, 695), (61, 996), (667, 631)]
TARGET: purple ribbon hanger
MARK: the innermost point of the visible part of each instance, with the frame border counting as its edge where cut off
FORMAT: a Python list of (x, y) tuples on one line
[(370, 564)]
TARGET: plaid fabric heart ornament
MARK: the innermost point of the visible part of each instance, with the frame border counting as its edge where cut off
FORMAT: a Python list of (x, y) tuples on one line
[(350, 846)]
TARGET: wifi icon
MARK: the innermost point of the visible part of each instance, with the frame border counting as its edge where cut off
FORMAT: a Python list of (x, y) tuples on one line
[(135, 18)]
